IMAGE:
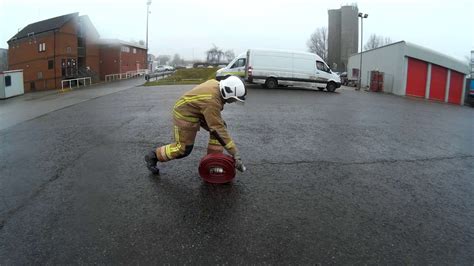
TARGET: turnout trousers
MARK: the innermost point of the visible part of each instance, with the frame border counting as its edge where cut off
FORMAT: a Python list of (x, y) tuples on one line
[(184, 134)]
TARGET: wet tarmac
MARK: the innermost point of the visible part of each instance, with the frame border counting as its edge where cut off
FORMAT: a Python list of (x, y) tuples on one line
[(333, 178)]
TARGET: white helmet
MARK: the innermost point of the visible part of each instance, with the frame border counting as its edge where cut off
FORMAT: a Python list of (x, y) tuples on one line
[(233, 87)]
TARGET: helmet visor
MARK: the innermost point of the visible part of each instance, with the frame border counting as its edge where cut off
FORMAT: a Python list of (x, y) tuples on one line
[(239, 98)]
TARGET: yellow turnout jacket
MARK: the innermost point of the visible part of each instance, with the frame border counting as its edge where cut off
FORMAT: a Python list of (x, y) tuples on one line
[(203, 105)]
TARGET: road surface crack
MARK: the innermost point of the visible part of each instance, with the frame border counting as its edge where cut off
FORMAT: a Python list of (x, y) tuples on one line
[(428, 159)]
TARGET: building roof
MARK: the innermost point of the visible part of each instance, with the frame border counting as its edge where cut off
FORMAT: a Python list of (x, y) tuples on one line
[(428, 55), (87, 23), (11, 71), (352, 6), (44, 26), (432, 56), (120, 42), (282, 51)]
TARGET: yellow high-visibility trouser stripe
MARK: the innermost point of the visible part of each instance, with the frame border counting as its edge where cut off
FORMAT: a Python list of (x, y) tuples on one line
[(176, 137), (176, 134), (168, 151), (214, 142), (186, 118), (230, 145)]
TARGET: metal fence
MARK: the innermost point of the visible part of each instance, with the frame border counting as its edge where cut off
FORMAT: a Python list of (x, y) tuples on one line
[(77, 82), (126, 75), (149, 77)]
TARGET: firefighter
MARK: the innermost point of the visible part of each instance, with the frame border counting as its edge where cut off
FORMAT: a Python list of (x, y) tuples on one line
[(201, 107)]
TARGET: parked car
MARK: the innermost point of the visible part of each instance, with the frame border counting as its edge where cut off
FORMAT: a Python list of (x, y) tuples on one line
[(164, 68), (343, 77), (470, 92)]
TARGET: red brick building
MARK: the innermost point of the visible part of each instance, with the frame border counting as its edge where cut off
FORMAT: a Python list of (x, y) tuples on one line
[(55, 49), (121, 57)]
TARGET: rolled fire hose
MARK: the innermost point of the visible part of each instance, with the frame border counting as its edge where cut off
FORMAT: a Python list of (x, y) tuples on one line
[(217, 168)]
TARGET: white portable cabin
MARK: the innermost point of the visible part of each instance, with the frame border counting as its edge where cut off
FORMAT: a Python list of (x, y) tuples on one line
[(11, 83)]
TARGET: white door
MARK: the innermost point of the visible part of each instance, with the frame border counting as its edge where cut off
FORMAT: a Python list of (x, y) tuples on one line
[(323, 74), (238, 68)]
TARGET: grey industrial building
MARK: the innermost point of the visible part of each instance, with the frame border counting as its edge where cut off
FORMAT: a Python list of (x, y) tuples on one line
[(404, 68), (3, 59), (343, 36)]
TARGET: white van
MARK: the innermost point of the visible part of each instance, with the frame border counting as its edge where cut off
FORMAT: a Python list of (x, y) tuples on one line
[(289, 68), (272, 68), (236, 67)]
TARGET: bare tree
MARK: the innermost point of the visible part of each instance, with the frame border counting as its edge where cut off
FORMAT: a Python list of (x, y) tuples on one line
[(163, 59), (151, 57), (177, 60), (214, 55), (318, 42), (229, 55), (376, 41)]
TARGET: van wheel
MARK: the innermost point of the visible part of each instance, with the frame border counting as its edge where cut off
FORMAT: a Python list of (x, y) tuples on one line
[(271, 83), (331, 87)]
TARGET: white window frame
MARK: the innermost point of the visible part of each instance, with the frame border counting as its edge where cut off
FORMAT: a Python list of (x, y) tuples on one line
[(125, 49), (42, 47)]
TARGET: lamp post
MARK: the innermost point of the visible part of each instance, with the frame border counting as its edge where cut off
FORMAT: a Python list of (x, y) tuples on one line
[(148, 3), (361, 16)]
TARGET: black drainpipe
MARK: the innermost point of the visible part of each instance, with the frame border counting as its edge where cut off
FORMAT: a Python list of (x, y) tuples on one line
[(54, 58)]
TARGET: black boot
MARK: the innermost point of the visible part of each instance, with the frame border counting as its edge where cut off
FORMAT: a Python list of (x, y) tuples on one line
[(151, 161)]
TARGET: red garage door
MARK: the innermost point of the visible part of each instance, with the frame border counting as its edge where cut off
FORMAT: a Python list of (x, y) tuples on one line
[(438, 82), (455, 87), (416, 77)]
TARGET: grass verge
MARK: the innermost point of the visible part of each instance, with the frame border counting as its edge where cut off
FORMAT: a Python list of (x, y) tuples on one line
[(186, 76)]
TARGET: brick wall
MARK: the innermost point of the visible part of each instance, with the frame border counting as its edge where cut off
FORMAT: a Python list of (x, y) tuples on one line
[(109, 60), (60, 45), (93, 54), (114, 61), (24, 54), (132, 61)]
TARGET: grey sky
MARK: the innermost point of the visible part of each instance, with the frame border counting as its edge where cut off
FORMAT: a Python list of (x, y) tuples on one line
[(191, 27)]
